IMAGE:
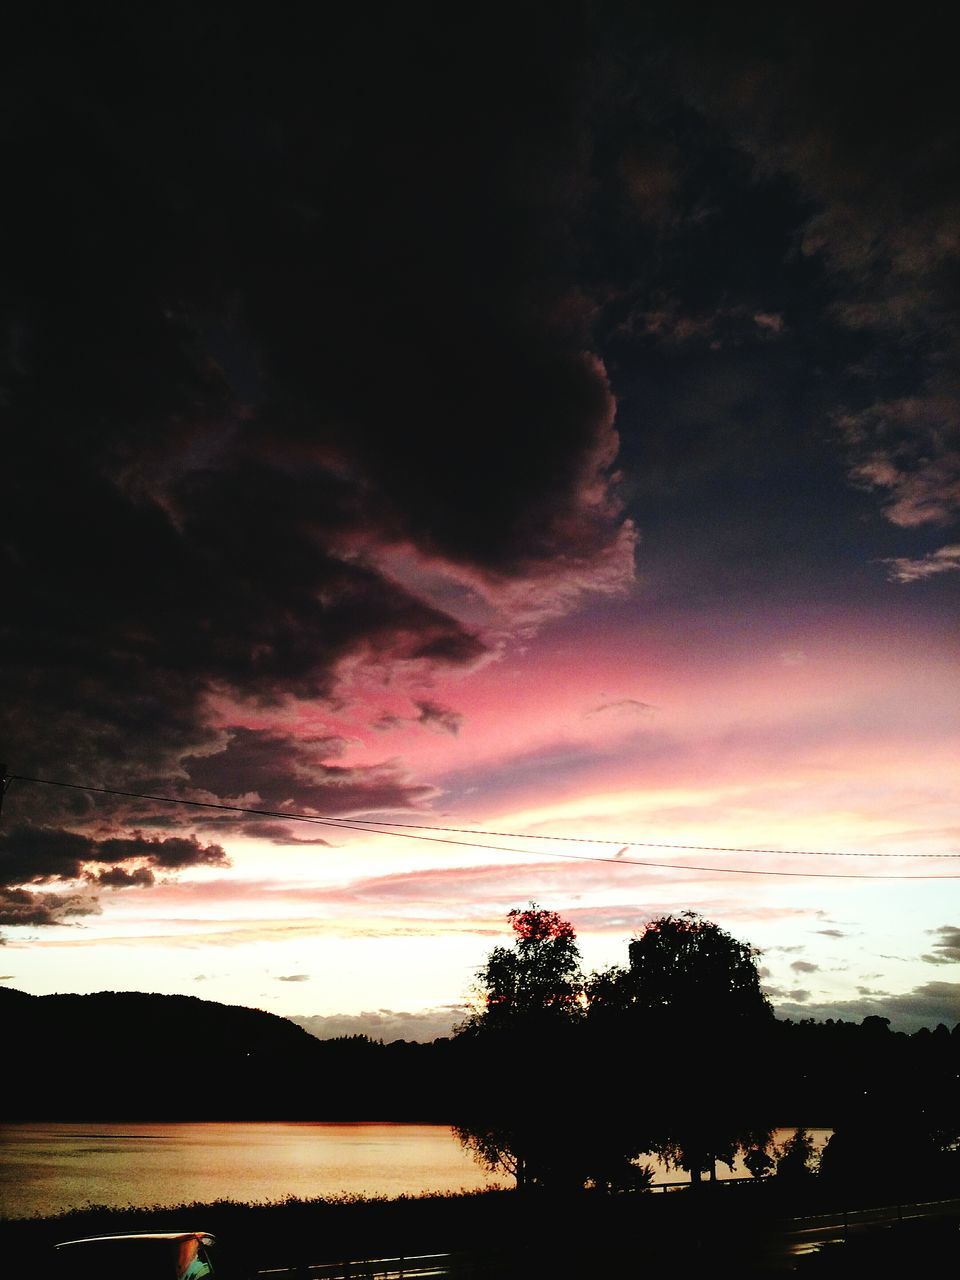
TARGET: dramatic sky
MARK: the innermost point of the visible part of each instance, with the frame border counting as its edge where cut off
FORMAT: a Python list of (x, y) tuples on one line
[(525, 421)]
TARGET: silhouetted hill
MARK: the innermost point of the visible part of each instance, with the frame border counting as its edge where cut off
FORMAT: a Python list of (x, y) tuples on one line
[(134, 1019), (131, 1055)]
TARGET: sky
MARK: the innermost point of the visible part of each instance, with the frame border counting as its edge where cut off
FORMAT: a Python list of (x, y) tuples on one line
[(528, 440)]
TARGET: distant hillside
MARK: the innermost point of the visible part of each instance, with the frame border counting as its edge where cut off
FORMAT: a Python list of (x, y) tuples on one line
[(148, 1022), (131, 1055)]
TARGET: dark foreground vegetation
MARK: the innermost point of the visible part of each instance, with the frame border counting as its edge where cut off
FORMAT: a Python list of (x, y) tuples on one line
[(734, 1230)]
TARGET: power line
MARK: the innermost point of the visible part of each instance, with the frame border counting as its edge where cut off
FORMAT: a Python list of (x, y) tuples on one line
[(361, 824), (637, 862), (638, 844), (367, 825)]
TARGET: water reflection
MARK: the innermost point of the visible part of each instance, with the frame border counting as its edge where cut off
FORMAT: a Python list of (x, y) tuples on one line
[(46, 1168)]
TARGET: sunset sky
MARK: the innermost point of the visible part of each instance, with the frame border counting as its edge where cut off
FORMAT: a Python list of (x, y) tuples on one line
[(520, 423)]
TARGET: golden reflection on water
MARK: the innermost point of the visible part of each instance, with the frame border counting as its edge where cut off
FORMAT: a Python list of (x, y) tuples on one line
[(46, 1168)]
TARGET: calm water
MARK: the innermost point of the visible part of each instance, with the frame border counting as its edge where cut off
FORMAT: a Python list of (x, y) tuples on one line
[(46, 1168)]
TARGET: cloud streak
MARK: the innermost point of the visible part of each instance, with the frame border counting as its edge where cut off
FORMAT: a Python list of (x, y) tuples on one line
[(943, 560)]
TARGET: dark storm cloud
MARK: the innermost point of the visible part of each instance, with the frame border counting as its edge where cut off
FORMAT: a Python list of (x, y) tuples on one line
[(780, 324), (271, 770), (284, 299), (39, 855), (42, 855), (279, 833), (121, 878), (431, 714), (436, 716), (24, 907), (279, 298), (31, 855), (864, 125), (170, 853), (946, 950)]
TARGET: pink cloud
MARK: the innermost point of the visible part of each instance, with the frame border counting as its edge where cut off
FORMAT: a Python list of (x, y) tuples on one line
[(943, 560)]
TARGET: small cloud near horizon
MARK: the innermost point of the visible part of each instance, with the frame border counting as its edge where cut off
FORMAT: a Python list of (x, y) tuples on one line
[(423, 1025), (924, 1006), (797, 995)]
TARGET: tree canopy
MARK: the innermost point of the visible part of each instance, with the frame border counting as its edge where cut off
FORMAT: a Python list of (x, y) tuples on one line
[(535, 982), (686, 976), (685, 969), (693, 991), (530, 1005), (566, 1082)]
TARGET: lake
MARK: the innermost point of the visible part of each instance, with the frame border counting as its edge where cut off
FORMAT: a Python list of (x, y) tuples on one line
[(47, 1168)]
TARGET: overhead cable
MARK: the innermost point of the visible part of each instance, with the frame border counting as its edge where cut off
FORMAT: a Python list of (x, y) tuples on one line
[(384, 829)]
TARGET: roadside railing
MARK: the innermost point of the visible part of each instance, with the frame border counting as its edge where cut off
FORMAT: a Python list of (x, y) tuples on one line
[(786, 1236), (685, 1183), (414, 1267)]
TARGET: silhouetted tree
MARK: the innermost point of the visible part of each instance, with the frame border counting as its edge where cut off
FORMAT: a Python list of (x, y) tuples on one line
[(500, 1148), (609, 1168), (702, 1139), (535, 982), (694, 990), (522, 1035), (758, 1161), (545, 1150), (796, 1158), (687, 968)]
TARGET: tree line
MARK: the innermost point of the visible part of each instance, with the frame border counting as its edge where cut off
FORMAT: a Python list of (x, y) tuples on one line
[(559, 1077), (678, 1054)]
